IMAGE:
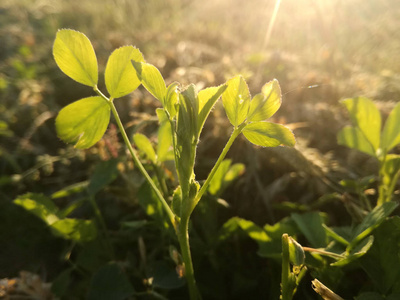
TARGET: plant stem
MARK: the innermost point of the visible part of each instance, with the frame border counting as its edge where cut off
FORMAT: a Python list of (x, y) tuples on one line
[(286, 291), (183, 237), (136, 160), (228, 145)]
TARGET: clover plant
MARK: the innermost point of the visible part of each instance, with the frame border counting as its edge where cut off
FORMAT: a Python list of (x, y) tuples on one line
[(182, 117), (365, 135)]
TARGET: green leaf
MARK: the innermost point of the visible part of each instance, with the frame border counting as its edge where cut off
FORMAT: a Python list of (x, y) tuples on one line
[(224, 176), (186, 137), (40, 206), (370, 296), (74, 55), (217, 181), (171, 99), (352, 137), (336, 236), (296, 253), (74, 229), (366, 116), (360, 250), (382, 261), (268, 134), (310, 224), (104, 173), (144, 145), (207, 99), (165, 276), (151, 79), (265, 105), (164, 146), (236, 100), (390, 169), (70, 190), (110, 282), (391, 131), (120, 76), (372, 221), (83, 122)]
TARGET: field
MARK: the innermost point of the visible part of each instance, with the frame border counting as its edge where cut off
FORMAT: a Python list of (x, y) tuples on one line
[(320, 52)]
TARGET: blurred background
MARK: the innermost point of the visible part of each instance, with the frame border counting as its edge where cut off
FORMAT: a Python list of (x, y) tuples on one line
[(321, 51)]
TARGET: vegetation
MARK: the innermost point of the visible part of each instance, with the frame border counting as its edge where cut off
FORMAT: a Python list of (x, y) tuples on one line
[(110, 215)]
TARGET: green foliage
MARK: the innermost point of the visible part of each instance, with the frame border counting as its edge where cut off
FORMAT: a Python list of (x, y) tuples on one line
[(110, 282), (365, 136), (67, 228)]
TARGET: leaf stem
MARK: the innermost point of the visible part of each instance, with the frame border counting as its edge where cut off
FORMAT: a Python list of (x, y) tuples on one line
[(135, 158), (228, 145)]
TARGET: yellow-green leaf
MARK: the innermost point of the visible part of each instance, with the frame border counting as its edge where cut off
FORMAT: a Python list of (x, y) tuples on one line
[(352, 137), (236, 100), (75, 56), (391, 131), (83, 122), (265, 104), (120, 76), (366, 116), (207, 98), (268, 134), (144, 145), (151, 79)]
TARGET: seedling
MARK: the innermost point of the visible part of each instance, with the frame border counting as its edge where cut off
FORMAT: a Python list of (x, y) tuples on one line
[(182, 117), (366, 136)]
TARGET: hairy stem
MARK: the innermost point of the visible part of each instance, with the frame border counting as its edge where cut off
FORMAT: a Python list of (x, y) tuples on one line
[(183, 237)]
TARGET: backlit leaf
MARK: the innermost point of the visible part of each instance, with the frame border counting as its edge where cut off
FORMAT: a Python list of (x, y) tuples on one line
[(366, 116), (265, 105), (207, 99), (268, 134), (40, 206), (151, 79), (164, 145), (352, 137), (391, 131), (83, 122), (171, 99), (75, 56), (236, 100), (120, 76), (75, 229), (144, 145)]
